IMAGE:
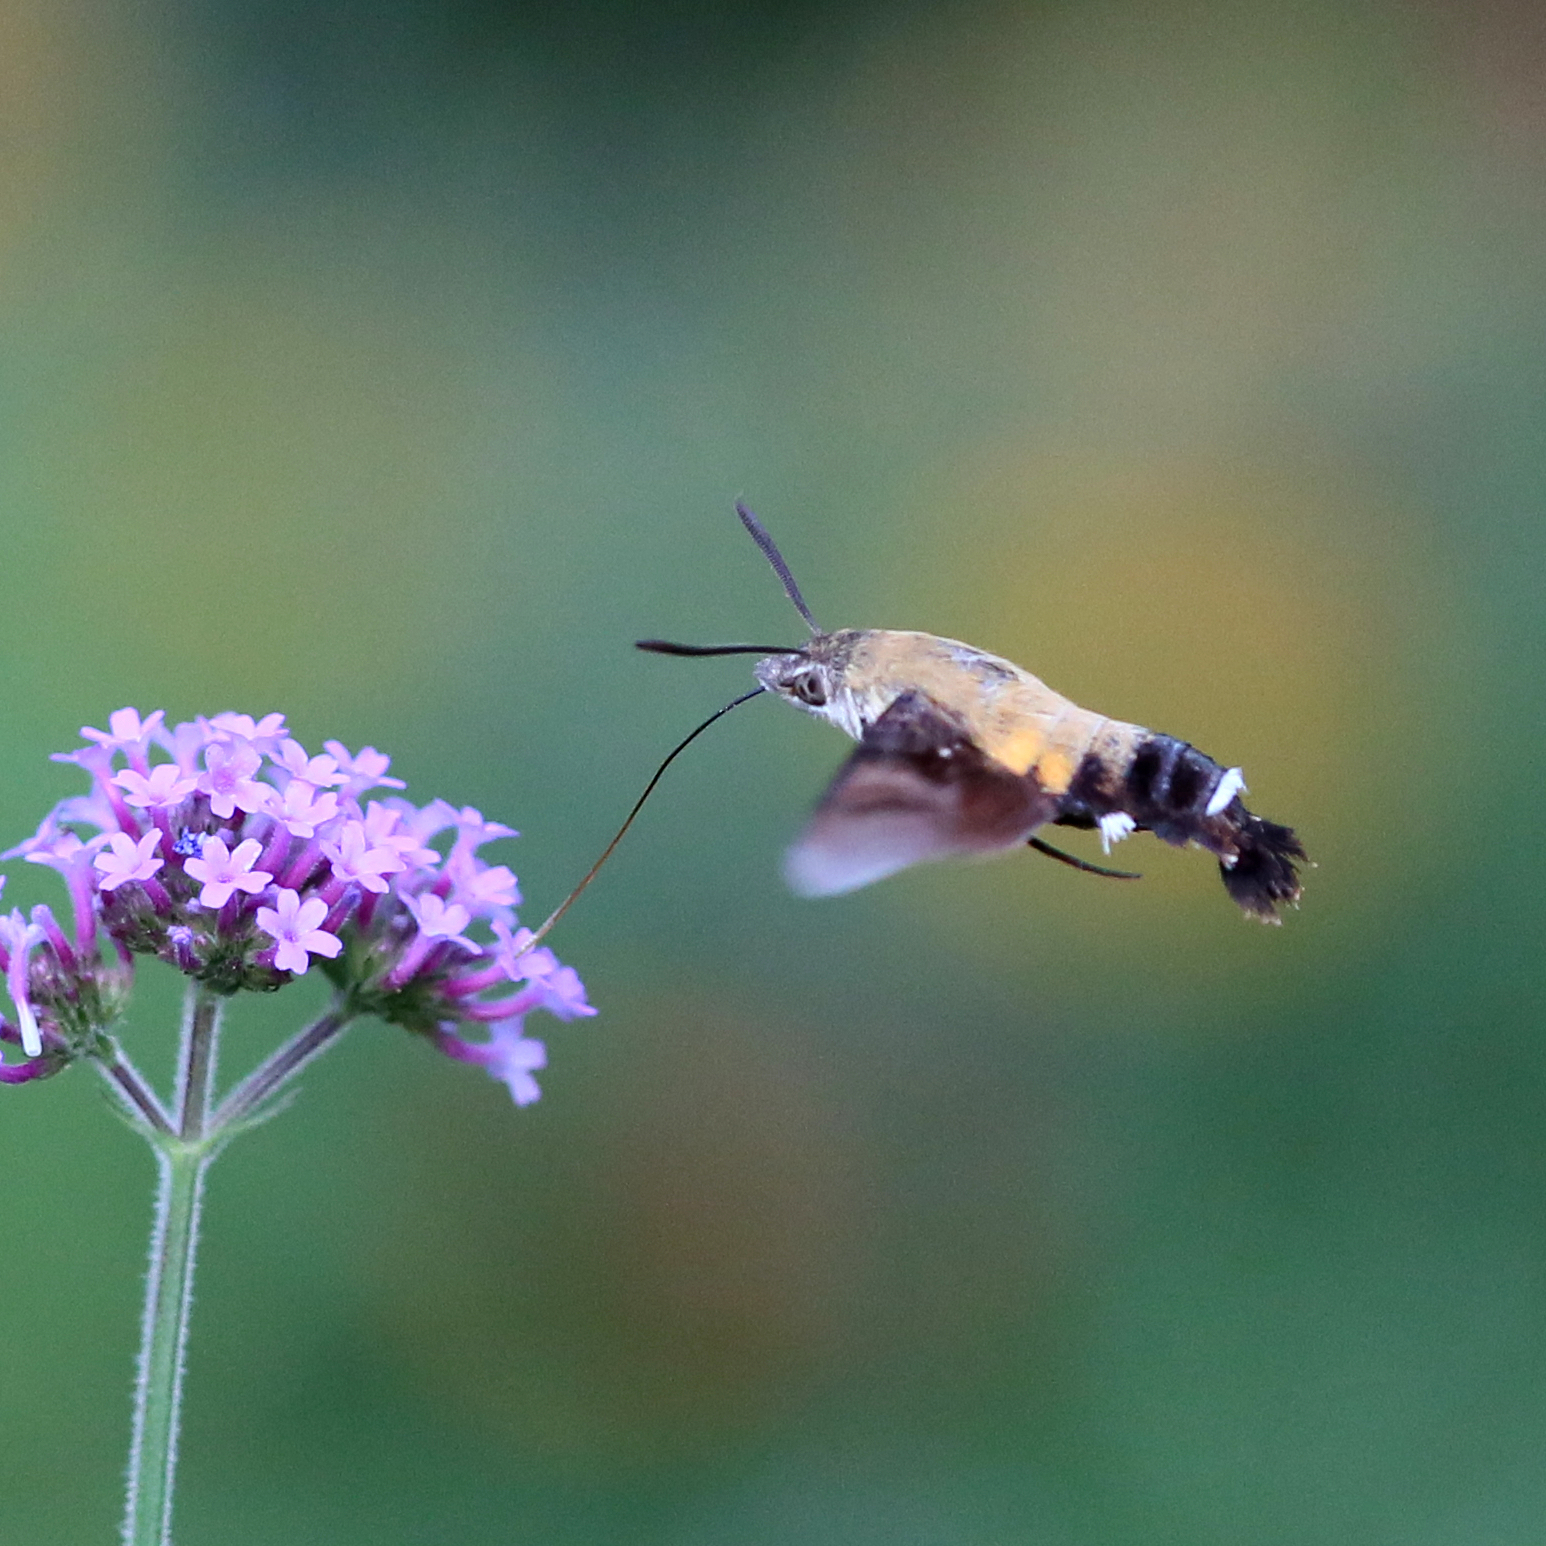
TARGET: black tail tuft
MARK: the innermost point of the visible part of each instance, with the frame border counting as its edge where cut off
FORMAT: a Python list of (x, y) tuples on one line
[(1264, 875)]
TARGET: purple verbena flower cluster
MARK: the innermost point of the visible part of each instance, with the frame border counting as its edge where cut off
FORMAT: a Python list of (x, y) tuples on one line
[(242, 861)]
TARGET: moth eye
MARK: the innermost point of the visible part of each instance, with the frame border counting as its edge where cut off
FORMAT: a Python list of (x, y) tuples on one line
[(810, 689)]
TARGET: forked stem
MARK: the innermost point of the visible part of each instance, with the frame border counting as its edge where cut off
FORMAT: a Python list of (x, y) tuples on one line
[(186, 1143), (269, 1077)]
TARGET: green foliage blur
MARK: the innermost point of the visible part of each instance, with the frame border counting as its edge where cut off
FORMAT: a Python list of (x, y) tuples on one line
[(396, 366)]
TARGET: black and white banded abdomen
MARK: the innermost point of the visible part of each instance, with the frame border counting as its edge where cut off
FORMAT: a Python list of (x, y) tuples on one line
[(1167, 787)]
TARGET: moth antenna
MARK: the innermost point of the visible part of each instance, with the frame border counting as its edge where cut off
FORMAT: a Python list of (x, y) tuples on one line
[(638, 805), (770, 552), (1079, 864), (666, 647)]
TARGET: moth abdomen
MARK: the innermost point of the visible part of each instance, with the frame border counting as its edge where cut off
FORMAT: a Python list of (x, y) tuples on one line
[(1171, 781), (1154, 780), (1159, 784)]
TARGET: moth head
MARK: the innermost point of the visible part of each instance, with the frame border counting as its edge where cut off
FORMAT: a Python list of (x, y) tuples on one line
[(815, 678), (801, 673), (813, 675), (799, 678)]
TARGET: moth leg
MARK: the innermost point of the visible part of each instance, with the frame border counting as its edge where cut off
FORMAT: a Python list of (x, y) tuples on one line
[(1079, 864)]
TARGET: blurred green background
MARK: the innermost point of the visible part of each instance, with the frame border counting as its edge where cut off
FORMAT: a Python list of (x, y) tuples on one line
[(396, 365)]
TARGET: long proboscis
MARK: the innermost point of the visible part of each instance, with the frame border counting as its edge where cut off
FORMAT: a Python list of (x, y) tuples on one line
[(638, 805), (666, 647)]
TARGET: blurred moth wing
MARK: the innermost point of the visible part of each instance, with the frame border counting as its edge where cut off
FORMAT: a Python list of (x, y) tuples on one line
[(917, 788)]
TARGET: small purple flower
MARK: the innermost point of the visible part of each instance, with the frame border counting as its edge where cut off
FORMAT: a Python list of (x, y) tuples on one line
[(126, 729), (127, 733), (165, 785), (228, 780), (319, 772), (517, 958), (563, 994), (264, 733), (484, 890), (386, 828), (293, 924), (440, 925), (439, 919), (353, 859), (473, 830), (301, 809), (222, 872), (181, 942), (508, 1055), (515, 1059), (366, 771), (47, 844), (63, 851), (125, 859)]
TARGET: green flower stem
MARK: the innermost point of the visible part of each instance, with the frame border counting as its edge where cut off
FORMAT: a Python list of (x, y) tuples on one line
[(137, 1096), (158, 1395), (185, 1146), (183, 1158), (271, 1076)]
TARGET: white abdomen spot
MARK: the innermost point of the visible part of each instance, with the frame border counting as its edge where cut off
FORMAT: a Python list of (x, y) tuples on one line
[(1231, 784)]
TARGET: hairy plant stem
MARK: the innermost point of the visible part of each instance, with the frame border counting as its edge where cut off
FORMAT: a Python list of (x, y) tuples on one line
[(185, 1144), (182, 1157), (271, 1076), (139, 1100)]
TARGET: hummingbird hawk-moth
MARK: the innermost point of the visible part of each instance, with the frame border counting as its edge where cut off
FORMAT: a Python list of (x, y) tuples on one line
[(962, 752)]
